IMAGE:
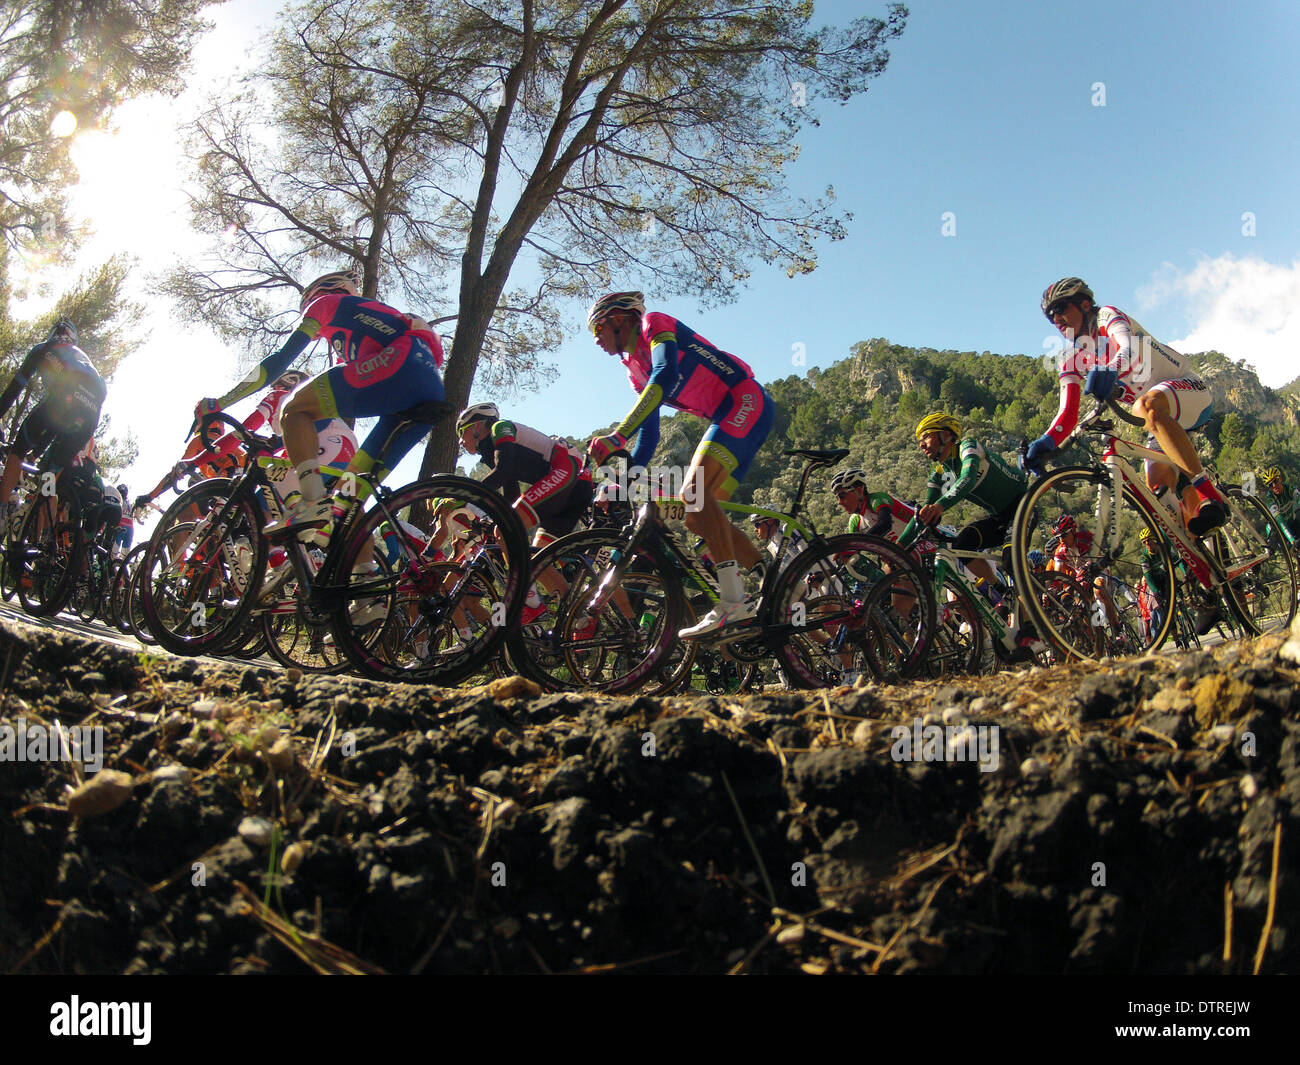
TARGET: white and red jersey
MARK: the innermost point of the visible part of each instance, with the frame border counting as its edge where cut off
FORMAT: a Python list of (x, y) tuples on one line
[(1118, 343)]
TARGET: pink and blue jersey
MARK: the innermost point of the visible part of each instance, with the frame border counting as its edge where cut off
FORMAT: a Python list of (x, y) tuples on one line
[(675, 365)]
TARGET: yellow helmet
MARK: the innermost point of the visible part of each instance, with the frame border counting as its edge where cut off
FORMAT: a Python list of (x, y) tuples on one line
[(1270, 474), (938, 421), (1144, 534)]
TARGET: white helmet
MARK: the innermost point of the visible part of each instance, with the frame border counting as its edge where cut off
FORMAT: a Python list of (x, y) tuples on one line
[(476, 411), (344, 282)]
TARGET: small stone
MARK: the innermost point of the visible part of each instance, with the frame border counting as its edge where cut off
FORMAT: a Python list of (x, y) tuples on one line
[(280, 756), (1222, 733), (1033, 767), (294, 674), (792, 936), (274, 706), (266, 738), (505, 812), (930, 719), (256, 831), (173, 724), (862, 733), (816, 967), (1219, 697), (1249, 789), (1170, 701), (171, 774), (106, 790), (954, 715), (515, 687), (507, 927), (293, 856), (204, 708), (187, 747), (983, 705)]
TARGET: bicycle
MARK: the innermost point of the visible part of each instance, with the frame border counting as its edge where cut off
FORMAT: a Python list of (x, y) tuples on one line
[(593, 638), (202, 583), (1256, 579)]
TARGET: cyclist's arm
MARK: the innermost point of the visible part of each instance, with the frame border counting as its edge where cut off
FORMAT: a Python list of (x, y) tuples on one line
[(933, 489), (662, 380), (23, 377), (647, 440), (971, 469), (1067, 414), (275, 364)]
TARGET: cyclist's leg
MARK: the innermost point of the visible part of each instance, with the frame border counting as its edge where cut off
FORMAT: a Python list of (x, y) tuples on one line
[(1170, 409), (719, 465)]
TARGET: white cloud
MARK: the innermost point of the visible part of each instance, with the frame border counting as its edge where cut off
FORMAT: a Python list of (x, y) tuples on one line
[(1246, 308)]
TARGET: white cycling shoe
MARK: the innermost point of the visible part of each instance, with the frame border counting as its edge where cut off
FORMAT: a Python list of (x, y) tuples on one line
[(723, 614)]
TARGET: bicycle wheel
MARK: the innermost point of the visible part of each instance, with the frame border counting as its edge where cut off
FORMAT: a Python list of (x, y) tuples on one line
[(958, 645), (622, 648), (370, 608), (827, 637), (48, 554), (136, 623), (1261, 589), (201, 577), (1083, 621)]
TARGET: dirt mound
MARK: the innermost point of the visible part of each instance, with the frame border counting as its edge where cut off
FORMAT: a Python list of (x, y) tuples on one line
[(1136, 816)]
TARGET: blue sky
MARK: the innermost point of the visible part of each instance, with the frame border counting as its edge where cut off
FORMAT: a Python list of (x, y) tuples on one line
[(987, 111)]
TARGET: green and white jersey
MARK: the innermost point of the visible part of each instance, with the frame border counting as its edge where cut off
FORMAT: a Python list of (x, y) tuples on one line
[(982, 477)]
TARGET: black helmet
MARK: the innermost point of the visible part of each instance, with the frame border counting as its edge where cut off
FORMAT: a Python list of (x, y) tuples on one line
[(64, 332)]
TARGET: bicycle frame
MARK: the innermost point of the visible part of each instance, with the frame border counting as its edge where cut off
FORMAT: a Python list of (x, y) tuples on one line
[(947, 566)]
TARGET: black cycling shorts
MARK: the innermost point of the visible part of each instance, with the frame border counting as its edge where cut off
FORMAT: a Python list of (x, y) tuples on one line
[(58, 434)]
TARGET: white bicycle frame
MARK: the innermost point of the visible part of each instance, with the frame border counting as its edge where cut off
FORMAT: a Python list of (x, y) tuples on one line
[(1200, 564)]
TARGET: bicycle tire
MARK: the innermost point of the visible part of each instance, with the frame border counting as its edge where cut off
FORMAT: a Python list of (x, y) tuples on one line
[(47, 559), (350, 589), (1074, 490), (563, 652), (196, 596), (811, 645), (952, 649), (1263, 598)]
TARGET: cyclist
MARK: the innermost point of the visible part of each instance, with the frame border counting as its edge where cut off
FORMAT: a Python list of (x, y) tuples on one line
[(965, 471), (65, 419), (1282, 502), (126, 527), (390, 361), (668, 362), (560, 491), (872, 513), (1112, 356)]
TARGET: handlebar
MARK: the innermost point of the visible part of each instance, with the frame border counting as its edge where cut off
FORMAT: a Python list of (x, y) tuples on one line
[(252, 442)]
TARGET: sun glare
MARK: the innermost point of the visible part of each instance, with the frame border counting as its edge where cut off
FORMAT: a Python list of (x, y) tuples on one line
[(64, 124)]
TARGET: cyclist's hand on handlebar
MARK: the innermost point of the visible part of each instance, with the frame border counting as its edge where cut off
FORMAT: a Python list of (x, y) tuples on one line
[(1036, 454), (1100, 383), (930, 514), (602, 447)]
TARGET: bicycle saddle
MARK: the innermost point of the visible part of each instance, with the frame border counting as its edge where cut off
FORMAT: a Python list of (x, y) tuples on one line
[(822, 458)]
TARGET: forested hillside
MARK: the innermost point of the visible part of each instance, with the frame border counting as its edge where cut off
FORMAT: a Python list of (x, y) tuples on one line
[(871, 401)]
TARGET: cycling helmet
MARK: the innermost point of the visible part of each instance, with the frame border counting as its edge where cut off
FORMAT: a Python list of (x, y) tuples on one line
[(1068, 288), (1144, 534), (759, 519), (290, 379), (846, 479), (629, 302), (474, 412), (1037, 559), (64, 332), (1269, 475), (344, 282), (938, 420), (1064, 524)]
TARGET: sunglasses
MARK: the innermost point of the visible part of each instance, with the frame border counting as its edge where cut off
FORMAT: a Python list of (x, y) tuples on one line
[(1057, 309)]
